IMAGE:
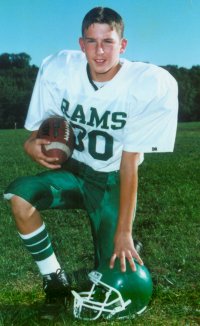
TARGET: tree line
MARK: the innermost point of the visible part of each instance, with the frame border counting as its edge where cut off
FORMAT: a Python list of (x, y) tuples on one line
[(17, 78)]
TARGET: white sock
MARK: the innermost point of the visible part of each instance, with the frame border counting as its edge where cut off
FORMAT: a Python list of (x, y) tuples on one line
[(48, 265)]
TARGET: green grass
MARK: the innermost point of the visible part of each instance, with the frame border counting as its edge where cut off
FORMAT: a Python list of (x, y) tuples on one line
[(167, 222)]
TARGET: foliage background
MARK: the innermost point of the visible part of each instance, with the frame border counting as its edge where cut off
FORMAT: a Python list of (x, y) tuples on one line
[(17, 78)]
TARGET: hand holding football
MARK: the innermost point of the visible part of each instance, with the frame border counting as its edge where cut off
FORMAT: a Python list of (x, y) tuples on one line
[(59, 133)]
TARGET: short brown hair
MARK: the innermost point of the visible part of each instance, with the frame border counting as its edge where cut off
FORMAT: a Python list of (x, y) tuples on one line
[(103, 15)]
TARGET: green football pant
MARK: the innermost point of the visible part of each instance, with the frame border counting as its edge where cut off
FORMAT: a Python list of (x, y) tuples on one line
[(77, 186)]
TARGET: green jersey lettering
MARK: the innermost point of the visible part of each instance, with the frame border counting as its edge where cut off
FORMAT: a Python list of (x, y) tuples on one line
[(78, 114), (108, 145), (119, 118), (65, 107), (96, 121)]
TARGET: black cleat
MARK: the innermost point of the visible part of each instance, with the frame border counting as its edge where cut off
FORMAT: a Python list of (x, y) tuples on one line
[(56, 285)]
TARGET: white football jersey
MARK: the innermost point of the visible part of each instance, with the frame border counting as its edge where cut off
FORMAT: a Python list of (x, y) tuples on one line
[(136, 111)]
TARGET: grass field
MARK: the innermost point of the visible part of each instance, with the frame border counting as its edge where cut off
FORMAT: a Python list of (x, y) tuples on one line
[(167, 223)]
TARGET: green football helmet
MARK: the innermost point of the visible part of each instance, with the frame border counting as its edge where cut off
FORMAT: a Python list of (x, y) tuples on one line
[(114, 294)]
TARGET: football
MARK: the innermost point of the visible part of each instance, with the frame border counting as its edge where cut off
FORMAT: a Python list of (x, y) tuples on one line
[(60, 134)]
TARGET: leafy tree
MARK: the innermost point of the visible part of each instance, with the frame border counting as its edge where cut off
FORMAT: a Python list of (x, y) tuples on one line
[(189, 91), (17, 79), (21, 60)]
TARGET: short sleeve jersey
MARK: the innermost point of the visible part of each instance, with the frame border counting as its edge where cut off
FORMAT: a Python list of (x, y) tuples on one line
[(136, 111)]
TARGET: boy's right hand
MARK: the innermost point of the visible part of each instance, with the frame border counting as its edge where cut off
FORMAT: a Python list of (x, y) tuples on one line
[(33, 147)]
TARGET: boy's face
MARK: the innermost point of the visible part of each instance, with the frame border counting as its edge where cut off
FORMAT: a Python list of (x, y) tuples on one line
[(102, 46)]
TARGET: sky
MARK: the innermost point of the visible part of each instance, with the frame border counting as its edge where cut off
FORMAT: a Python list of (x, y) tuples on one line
[(158, 31)]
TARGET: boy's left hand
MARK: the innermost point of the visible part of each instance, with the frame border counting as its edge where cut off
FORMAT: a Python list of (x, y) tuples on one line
[(124, 249)]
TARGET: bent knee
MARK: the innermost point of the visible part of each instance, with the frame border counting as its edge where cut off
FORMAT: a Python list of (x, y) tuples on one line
[(20, 207)]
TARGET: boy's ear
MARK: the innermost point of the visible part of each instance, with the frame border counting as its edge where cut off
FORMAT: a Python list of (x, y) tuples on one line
[(123, 45), (81, 43)]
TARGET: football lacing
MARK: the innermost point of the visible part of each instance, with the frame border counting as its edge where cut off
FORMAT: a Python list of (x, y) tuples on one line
[(67, 131)]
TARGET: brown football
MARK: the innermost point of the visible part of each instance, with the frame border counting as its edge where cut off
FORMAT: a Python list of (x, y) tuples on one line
[(60, 134)]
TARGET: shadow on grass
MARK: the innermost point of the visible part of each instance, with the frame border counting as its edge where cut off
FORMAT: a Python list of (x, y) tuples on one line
[(42, 313), (35, 314)]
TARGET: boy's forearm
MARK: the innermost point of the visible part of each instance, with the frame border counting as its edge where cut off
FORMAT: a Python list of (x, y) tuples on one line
[(128, 190)]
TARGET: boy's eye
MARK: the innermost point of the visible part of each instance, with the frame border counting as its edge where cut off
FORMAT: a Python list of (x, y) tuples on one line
[(108, 41), (90, 41)]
